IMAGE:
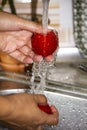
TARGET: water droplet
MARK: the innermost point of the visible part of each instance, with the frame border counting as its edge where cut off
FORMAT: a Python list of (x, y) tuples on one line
[(53, 126), (86, 112), (63, 119), (73, 109), (81, 119), (69, 125), (79, 111)]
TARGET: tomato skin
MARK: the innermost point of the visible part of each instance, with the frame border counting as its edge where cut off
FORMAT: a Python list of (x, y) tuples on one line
[(45, 108), (44, 44)]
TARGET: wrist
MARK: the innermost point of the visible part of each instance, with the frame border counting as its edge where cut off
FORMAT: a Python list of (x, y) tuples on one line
[(5, 107)]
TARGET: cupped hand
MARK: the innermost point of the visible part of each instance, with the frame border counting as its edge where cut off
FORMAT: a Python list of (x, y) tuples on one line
[(24, 112), (18, 45)]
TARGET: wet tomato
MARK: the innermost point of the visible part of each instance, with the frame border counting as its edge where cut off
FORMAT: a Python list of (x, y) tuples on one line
[(45, 44), (45, 108)]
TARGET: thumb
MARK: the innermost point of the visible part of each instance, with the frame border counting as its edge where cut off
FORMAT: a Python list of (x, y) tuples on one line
[(40, 99), (30, 26)]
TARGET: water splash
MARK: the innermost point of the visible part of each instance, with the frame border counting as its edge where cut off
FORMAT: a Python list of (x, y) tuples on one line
[(39, 70)]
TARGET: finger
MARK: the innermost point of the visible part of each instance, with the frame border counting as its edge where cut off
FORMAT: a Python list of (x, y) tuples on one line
[(30, 26), (53, 119), (21, 57), (40, 99), (37, 58), (27, 51), (49, 58)]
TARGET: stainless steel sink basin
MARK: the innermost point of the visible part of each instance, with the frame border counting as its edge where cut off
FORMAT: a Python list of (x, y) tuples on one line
[(72, 111)]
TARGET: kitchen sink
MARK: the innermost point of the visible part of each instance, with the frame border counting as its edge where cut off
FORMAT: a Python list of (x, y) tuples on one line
[(69, 97), (72, 108)]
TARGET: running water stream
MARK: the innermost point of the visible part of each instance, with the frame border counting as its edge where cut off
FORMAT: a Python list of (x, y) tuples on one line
[(39, 69), (45, 15)]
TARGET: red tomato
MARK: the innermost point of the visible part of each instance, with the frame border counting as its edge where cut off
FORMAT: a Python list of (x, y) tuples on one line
[(44, 44), (45, 108)]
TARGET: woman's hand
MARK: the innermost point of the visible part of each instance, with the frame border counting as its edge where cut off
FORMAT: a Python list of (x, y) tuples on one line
[(18, 45), (15, 37), (24, 112)]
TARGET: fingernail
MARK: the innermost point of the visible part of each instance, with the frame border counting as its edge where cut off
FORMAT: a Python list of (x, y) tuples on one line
[(28, 60), (38, 58)]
